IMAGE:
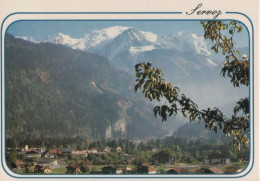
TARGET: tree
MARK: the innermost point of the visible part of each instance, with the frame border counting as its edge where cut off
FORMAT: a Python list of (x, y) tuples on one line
[(84, 169), (154, 87)]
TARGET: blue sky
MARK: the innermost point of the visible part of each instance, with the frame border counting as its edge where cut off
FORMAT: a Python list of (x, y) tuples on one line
[(76, 29)]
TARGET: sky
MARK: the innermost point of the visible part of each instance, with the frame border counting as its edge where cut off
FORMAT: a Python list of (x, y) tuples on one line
[(39, 30)]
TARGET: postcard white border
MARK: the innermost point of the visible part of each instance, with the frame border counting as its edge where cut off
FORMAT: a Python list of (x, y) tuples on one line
[(117, 16)]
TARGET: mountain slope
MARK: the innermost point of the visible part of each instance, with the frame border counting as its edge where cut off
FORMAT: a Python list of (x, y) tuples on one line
[(55, 91), (197, 131)]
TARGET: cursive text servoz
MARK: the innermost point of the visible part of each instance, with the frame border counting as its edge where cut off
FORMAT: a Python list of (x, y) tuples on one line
[(196, 10)]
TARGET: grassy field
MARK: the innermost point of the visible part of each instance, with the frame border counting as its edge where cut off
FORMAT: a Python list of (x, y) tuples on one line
[(58, 171)]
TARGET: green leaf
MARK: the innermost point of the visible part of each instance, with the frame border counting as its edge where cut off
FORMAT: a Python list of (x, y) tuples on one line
[(136, 87), (199, 119)]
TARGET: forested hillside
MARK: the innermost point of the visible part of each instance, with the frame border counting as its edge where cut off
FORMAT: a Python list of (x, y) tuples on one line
[(53, 91)]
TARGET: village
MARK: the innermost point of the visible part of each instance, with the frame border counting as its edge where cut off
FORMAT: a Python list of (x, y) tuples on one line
[(29, 160)]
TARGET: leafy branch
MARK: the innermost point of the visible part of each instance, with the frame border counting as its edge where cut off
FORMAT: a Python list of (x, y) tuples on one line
[(154, 87), (235, 66)]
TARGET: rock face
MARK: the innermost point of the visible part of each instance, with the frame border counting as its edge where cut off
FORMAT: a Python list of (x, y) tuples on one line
[(55, 91)]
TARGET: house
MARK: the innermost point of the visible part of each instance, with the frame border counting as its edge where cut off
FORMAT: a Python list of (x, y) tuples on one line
[(233, 169), (47, 170), (146, 168), (32, 154), (175, 171), (118, 149), (74, 169), (107, 149), (108, 170), (211, 170), (216, 158), (19, 164), (163, 157), (80, 154), (49, 155), (54, 152), (40, 150), (25, 148), (59, 153), (66, 152), (42, 169), (154, 149), (123, 169), (128, 169), (47, 162), (92, 150), (31, 149), (120, 170), (127, 157), (21, 154)]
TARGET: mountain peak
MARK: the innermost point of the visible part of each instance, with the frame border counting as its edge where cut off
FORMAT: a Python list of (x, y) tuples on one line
[(111, 32), (63, 35), (188, 41), (64, 39), (29, 38), (150, 36)]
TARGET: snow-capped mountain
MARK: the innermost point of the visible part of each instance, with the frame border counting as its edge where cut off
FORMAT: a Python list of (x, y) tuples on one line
[(188, 41), (130, 41), (30, 38), (63, 39), (94, 40), (113, 41), (180, 53), (100, 38)]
